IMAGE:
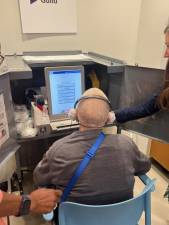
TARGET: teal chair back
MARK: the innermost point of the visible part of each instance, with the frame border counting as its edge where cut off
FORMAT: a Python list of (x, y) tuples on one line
[(123, 213)]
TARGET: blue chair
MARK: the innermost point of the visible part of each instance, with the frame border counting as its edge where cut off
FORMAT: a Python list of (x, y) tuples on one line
[(123, 213)]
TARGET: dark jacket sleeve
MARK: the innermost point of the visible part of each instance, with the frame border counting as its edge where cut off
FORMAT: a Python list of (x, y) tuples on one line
[(141, 162), (136, 112), (41, 174)]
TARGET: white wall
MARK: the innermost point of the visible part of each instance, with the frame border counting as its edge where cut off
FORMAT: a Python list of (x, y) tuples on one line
[(129, 30), (150, 46), (109, 27)]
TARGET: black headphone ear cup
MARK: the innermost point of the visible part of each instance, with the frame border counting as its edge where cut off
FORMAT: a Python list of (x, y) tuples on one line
[(72, 114), (111, 117)]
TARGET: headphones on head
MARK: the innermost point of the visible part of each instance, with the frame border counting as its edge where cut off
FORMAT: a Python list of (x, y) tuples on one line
[(73, 113), (93, 97)]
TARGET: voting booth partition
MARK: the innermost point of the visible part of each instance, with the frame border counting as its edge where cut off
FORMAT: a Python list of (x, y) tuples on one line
[(8, 143), (134, 87)]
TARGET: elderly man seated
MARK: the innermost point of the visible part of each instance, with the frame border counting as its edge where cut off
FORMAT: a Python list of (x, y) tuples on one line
[(109, 177)]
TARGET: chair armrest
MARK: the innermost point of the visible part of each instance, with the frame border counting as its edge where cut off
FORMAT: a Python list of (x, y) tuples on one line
[(147, 181)]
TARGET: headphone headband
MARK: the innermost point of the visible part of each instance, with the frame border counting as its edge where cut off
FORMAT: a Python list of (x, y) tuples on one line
[(93, 97)]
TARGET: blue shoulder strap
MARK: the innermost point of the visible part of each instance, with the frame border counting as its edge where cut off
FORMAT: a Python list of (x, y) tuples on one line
[(82, 166)]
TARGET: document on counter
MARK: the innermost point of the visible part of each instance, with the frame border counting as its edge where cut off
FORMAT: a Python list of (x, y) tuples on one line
[(56, 58), (4, 129)]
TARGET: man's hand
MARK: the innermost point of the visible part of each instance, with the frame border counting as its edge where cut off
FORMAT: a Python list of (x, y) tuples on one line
[(44, 200)]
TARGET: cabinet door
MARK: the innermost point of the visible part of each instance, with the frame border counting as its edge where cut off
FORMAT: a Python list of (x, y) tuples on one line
[(160, 152)]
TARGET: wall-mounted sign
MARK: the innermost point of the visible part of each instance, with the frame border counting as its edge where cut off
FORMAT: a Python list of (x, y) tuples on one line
[(4, 130), (48, 16)]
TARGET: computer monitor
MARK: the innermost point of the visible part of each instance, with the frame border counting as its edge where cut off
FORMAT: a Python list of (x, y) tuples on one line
[(64, 86)]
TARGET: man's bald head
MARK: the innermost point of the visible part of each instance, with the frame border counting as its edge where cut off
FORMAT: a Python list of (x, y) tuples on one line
[(93, 112)]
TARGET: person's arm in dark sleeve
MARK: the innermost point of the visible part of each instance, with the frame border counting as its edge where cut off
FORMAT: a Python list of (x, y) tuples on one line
[(49, 167), (141, 162), (41, 173), (136, 112)]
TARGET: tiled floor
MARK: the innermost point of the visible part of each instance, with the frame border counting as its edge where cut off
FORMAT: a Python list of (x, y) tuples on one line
[(160, 206)]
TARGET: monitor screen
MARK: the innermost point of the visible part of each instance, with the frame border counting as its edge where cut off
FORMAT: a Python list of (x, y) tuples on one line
[(64, 86)]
